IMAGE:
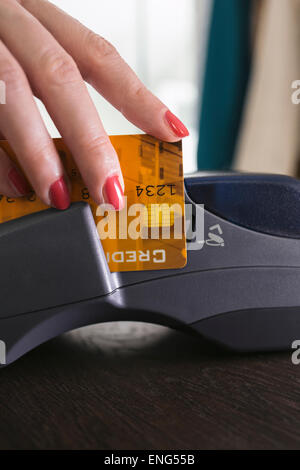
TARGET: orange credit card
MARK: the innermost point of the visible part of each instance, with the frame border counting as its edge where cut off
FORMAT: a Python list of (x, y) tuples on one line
[(149, 233)]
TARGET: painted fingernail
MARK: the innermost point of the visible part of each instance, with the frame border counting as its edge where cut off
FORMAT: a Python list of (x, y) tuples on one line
[(18, 182), (176, 125), (59, 194), (113, 192)]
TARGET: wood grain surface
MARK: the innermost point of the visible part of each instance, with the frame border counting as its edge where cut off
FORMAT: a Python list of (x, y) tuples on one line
[(135, 386)]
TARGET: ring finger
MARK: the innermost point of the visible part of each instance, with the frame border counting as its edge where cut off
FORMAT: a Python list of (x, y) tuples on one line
[(22, 125)]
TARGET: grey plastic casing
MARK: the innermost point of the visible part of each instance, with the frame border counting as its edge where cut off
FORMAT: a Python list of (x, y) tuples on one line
[(54, 277)]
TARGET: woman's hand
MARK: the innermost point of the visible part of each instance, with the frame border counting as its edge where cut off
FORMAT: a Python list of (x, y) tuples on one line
[(46, 53)]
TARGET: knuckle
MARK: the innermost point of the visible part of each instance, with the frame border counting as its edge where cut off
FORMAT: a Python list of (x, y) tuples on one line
[(59, 68), (12, 75), (94, 145), (39, 154), (139, 90), (24, 3), (99, 47)]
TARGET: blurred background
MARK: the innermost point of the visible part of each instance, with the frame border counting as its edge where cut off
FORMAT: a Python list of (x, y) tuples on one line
[(225, 67)]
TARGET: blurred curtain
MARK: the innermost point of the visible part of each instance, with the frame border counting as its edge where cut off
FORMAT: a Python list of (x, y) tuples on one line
[(225, 82), (269, 139)]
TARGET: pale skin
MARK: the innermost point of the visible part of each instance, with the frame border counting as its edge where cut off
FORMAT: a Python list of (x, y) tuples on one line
[(48, 54)]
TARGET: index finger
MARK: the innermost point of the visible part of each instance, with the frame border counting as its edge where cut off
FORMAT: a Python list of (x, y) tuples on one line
[(101, 65)]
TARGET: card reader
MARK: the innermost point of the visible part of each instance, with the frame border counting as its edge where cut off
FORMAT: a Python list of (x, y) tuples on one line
[(241, 289)]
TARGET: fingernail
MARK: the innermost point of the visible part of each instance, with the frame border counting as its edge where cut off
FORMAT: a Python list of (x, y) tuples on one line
[(113, 192), (18, 182), (59, 194), (176, 125)]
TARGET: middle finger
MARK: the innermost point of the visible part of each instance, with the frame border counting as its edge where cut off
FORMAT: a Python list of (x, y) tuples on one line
[(56, 79)]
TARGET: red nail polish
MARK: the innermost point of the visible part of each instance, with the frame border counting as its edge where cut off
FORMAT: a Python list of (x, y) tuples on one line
[(113, 192), (59, 194), (176, 125), (18, 182)]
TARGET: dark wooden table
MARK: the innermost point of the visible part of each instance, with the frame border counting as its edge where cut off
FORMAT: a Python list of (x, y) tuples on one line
[(135, 386)]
